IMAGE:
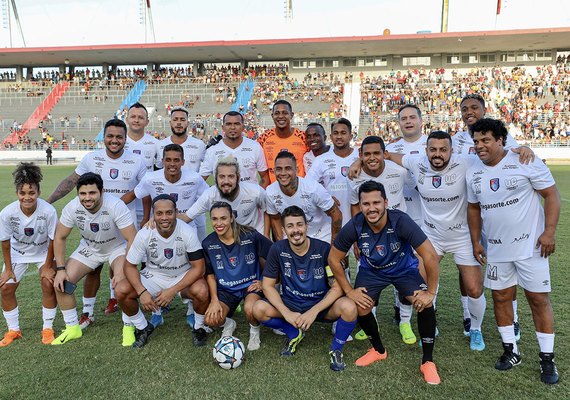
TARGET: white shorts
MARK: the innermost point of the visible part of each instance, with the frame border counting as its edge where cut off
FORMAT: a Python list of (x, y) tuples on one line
[(462, 250), (533, 274), (85, 255), (20, 269), (156, 282)]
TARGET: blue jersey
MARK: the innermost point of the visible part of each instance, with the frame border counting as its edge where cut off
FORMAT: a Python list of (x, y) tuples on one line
[(390, 250), (303, 278), (235, 266)]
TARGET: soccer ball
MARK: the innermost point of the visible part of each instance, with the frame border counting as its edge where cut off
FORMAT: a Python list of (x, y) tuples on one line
[(228, 352)]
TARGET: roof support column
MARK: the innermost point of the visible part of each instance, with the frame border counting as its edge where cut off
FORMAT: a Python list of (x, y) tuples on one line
[(149, 67), (19, 73)]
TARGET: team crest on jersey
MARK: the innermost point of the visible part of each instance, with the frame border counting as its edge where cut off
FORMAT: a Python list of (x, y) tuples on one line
[(302, 274), (114, 173), (436, 181), (381, 250), (168, 253), (94, 227), (344, 171), (233, 261), (494, 184), (28, 231), (174, 196), (472, 150), (136, 151)]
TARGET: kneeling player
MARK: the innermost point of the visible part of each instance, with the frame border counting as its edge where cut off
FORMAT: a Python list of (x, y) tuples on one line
[(235, 255), (307, 294), (385, 239), (28, 226), (104, 223), (175, 263)]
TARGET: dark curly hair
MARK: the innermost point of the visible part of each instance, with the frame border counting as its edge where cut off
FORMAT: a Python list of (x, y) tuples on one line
[(27, 173)]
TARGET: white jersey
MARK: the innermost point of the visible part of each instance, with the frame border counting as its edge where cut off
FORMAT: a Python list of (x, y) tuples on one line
[(394, 178), (185, 191), (511, 209), (146, 147), (99, 231), (313, 199), (249, 155), (29, 236), (443, 196), (331, 171), (308, 159), (248, 206), (164, 256), (462, 143), (411, 196), (194, 150), (119, 175)]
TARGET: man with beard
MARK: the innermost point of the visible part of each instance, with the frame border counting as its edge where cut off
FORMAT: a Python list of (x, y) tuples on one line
[(312, 198), (316, 140), (174, 264), (106, 227), (247, 199), (121, 173), (248, 152)]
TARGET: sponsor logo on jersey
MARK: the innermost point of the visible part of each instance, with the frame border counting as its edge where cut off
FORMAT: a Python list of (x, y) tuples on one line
[(174, 196), (494, 184), (436, 181), (136, 151), (381, 250), (168, 253), (302, 274), (113, 173), (28, 231), (94, 227), (344, 171), (233, 261)]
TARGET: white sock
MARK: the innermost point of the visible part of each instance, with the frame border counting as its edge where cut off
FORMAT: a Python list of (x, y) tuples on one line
[(374, 312), (138, 320), (70, 317), (434, 297), (405, 313), (515, 311), (396, 298), (545, 342), (465, 304), (158, 312), (198, 321), (126, 319), (508, 336), (111, 290), (190, 308), (89, 305), (254, 329), (477, 311), (13, 319), (48, 315)]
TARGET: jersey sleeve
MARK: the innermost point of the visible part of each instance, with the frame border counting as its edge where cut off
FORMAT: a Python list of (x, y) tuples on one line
[(191, 241), (270, 205), (202, 187), (207, 166), (123, 217), (353, 192), (471, 196), (158, 155), (5, 230), (511, 142), (262, 199), (322, 197), (66, 217), (271, 269), (83, 166), (142, 170), (346, 237), (51, 223), (539, 174), (411, 163), (313, 173), (409, 231), (200, 207), (262, 245), (141, 190), (137, 251), (261, 162)]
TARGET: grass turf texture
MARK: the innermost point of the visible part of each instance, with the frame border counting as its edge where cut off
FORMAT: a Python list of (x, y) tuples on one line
[(98, 367)]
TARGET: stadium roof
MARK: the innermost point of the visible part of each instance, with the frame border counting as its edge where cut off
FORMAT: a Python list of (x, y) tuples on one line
[(285, 49)]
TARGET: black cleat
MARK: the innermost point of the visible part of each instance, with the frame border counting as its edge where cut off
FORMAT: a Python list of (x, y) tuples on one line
[(548, 371), (509, 359), (142, 335), (199, 337), (396, 318), (337, 361)]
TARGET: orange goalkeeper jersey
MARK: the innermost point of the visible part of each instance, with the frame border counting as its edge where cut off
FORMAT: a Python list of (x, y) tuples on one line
[(273, 144)]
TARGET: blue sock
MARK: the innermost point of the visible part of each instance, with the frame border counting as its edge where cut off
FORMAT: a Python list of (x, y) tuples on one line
[(343, 330), (280, 323)]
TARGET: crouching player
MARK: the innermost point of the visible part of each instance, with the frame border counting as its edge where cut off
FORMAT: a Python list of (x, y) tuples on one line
[(104, 222), (235, 255), (307, 291), (174, 263), (27, 230), (385, 239)]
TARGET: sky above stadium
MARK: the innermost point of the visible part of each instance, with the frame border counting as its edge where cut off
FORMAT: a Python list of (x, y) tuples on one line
[(84, 22)]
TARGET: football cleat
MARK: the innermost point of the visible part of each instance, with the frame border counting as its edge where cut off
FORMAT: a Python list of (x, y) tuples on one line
[(142, 335), (509, 359), (291, 345), (9, 337), (85, 320), (337, 361), (199, 337), (476, 342), (112, 307), (430, 373), (156, 320), (128, 335), (371, 357), (408, 335), (48, 335), (70, 332), (548, 370)]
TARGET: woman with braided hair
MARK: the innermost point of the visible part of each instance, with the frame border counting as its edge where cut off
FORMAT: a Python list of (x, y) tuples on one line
[(27, 228)]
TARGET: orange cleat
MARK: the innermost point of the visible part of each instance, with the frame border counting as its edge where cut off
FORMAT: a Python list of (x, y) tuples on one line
[(371, 357), (430, 373), (48, 335), (9, 337)]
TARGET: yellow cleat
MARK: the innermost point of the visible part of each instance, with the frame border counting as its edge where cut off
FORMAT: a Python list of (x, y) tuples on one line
[(70, 332)]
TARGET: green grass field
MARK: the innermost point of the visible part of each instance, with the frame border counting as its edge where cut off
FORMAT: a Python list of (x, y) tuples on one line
[(169, 367)]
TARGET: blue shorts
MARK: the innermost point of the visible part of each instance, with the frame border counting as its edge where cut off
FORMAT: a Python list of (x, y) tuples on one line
[(296, 308), (233, 299), (375, 281)]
